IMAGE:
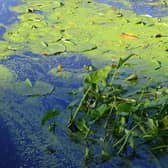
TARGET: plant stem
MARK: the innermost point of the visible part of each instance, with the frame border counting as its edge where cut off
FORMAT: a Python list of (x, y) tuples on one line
[(126, 139), (78, 108)]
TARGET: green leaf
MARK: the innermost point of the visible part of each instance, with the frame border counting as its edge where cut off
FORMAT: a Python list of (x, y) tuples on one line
[(39, 88), (81, 125), (124, 60), (165, 122), (99, 76), (105, 155), (48, 115), (152, 124), (126, 108), (97, 113)]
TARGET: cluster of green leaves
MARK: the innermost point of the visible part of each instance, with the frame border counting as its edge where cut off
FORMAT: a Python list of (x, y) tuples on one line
[(105, 116)]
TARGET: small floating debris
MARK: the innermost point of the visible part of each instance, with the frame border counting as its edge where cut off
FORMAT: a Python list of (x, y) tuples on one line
[(129, 36), (132, 77), (60, 67)]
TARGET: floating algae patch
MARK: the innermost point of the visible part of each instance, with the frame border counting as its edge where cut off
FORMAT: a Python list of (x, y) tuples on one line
[(4, 50), (7, 77), (101, 32), (39, 88)]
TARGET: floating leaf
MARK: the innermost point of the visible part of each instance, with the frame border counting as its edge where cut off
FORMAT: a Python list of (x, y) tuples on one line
[(122, 61), (28, 82), (99, 76), (86, 47), (6, 76), (49, 115), (40, 88)]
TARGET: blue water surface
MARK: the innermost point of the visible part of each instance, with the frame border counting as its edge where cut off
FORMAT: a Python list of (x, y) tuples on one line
[(146, 7)]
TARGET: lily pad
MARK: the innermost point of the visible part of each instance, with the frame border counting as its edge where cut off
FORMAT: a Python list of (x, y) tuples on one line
[(39, 88), (63, 74), (4, 50), (48, 50), (6, 76)]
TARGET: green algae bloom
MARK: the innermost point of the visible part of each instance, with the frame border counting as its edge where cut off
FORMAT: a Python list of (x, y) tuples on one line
[(95, 29)]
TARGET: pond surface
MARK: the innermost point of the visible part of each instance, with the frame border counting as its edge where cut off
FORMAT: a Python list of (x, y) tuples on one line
[(155, 8), (29, 87)]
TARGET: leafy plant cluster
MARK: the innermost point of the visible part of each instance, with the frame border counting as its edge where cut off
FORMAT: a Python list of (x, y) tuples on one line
[(107, 117), (111, 121)]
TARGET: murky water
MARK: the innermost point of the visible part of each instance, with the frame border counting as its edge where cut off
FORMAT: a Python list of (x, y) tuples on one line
[(23, 141)]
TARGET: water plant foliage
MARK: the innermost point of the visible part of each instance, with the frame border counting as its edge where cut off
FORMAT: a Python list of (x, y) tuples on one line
[(126, 117)]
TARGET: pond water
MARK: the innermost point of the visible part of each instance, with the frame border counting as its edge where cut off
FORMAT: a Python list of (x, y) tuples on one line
[(24, 143), (155, 8)]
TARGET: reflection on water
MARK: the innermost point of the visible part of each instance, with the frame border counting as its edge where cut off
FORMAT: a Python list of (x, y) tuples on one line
[(155, 8), (2, 30), (6, 16), (8, 149)]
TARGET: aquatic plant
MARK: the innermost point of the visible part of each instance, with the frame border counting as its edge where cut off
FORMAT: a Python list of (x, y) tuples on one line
[(133, 120), (114, 118)]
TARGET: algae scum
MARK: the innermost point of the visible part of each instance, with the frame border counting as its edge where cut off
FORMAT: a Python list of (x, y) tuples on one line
[(48, 50)]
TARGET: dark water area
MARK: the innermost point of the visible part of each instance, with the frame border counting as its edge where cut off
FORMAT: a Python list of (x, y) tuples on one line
[(8, 149), (23, 142), (23, 115)]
